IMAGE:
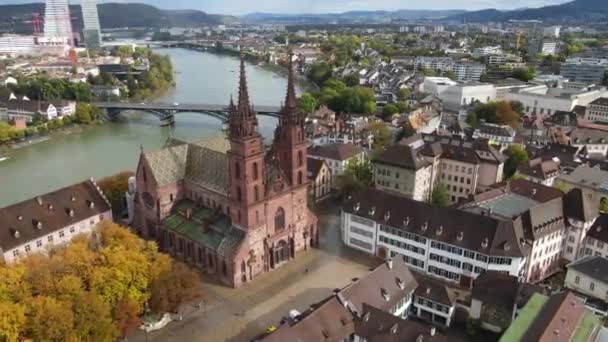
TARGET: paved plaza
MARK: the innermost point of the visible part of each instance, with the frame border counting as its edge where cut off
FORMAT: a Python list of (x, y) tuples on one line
[(243, 313)]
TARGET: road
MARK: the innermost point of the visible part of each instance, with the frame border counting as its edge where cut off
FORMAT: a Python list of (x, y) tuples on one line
[(241, 314)]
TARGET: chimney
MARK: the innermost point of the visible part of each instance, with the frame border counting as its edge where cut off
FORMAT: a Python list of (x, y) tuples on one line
[(39, 200), (389, 263)]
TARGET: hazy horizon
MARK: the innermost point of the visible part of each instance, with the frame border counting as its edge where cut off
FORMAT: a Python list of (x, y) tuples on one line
[(240, 7)]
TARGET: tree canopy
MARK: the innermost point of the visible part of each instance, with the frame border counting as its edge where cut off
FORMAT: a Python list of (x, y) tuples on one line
[(515, 156), (356, 177), (440, 196), (498, 112), (92, 289)]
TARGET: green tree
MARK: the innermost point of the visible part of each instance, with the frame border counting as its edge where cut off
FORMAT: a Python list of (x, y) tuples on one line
[(307, 103), (524, 74), (515, 156), (356, 177), (561, 186), (352, 80), (381, 135), (320, 72), (115, 187), (428, 72), (518, 107), (403, 93), (440, 196), (389, 110)]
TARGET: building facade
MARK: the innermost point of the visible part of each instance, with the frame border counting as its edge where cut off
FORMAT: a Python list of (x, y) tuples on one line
[(39, 224), (337, 156), (57, 21), (597, 110), (91, 31), (231, 207), (319, 178)]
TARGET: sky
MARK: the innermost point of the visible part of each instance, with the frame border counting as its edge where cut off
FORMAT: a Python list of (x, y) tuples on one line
[(239, 7)]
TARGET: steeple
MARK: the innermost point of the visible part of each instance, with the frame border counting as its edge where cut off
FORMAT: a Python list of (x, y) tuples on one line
[(242, 118), (290, 109)]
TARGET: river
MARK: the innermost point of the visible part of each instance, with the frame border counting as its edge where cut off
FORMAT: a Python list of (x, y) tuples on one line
[(103, 150)]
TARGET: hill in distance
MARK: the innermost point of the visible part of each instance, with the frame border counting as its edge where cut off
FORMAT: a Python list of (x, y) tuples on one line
[(577, 11), (352, 16), (113, 15)]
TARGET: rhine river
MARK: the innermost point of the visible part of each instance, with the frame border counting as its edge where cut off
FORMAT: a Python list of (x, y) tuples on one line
[(103, 150)]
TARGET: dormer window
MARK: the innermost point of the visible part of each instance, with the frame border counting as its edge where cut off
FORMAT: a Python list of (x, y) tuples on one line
[(385, 294), (38, 224), (460, 236), (51, 207), (424, 226), (70, 212), (406, 222), (91, 204), (400, 283), (20, 218), (484, 243), (387, 215), (507, 246), (372, 211), (394, 328), (73, 198), (357, 206), (439, 230)]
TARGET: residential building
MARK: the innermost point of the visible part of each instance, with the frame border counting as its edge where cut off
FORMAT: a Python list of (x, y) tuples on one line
[(560, 317), (227, 205), (539, 171), (91, 30), (591, 179), (319, 179), (463, 167), (400, 169), (26, 109), (437, 85), (502, 135), (539, 46), (441, 242), (337, 156), (581, 212), (462, 94), (434, 63), (487, 50), (539, 209), (597, 110), (544, 101), (588, 276), (596, 240), (592, 143), (585, 70), (468, 71), (552, 31), (39, 224), (64, 108), (371, 309), (494, 300), (434, 301)]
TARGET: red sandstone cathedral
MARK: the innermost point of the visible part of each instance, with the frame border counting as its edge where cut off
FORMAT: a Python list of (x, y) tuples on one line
[(229, 205)]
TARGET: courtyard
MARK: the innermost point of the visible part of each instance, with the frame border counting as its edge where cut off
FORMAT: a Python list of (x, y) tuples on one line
[(244, 313)]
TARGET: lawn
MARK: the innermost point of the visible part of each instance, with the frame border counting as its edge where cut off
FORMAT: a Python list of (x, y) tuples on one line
[(585, 328), (526, 316)]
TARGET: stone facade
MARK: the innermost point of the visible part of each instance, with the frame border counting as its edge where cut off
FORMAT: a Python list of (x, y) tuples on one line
[(231, 207)]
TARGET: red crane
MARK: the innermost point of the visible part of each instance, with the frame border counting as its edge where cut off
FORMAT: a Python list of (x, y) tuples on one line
[(36, 23)]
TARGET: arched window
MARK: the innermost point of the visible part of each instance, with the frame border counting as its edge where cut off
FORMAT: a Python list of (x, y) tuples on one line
[(171, 197), (255, 171), (300, 158), (279, 219), (257, 217), (256, 193), (237, 171), (224, 268), (300, 178), (239, 195)]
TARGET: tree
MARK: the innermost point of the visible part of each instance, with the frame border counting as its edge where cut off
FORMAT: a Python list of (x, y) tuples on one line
[(126, 316), (50, 320), (307, 103), (389, 110), (561, 186), (352, 80), (403, 93), (381, 135), (320, 72), (175, 286), (356, 177), (115, 187), (450, 74), (505, 114), (428, 72), (518, 107), (515, 156), (524, 74), (440, 196), (12, 321)]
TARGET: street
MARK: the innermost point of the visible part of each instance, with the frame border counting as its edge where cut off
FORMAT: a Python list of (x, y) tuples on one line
[(244, 313)]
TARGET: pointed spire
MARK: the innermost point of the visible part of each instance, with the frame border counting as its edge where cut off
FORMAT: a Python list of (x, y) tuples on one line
[(242, 118), (290, 98), (243, 104)]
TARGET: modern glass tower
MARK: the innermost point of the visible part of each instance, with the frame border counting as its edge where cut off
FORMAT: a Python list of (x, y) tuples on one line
[(57, 21), (92, 30)]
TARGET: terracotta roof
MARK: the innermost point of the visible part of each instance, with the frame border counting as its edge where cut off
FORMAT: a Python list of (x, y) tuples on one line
[(475, 232), (588, 136), (335, 151), (314, 167), (534, 191), (376, 325), (402, 156), (28, 106), (540, 169), (329, 321), (28, 220), (382, 287), (561, 313), (593, 267)]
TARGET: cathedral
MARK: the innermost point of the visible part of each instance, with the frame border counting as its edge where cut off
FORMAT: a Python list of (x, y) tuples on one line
[(230, 206)]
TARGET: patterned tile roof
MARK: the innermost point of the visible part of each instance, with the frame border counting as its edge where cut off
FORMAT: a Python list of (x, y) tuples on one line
[(204, 163)]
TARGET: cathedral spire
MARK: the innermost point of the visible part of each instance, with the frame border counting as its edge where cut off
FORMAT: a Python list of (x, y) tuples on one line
[(242, 118), (290, 98), (244, 107)]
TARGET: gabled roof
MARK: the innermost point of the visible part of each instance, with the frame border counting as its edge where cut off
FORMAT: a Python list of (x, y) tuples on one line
[(402, 156), (314, 167), (581, 205), (481, 233), (595, 267), (31, 219), (433, 289), (382, 287), (335, 151), (599, 229), (496, 288)]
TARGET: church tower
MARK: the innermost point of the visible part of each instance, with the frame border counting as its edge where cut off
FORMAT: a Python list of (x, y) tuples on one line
[(289, 137), (246, 160)]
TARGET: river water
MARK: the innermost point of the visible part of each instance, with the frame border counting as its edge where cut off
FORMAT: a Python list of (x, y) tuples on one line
[(103, 150)]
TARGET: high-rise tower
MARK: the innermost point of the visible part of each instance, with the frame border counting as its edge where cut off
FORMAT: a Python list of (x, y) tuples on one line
[(90, 17), (57, 21)]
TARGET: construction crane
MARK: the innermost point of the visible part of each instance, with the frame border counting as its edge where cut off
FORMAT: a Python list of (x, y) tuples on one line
[(36, 23)]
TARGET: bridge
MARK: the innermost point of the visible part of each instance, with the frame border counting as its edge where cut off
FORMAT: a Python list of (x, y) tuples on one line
[(166, 111)]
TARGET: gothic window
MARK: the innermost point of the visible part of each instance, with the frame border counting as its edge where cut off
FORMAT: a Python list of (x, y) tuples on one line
[(300, 178), (257, 217), (300, 158), (255, 171), (143, 169), (237, 171), (279, 219), (256, 193), (171, 197), (224, 269), (239, 195)]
